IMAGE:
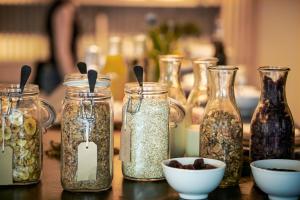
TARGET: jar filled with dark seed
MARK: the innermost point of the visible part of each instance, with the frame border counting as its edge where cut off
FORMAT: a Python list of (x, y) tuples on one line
[(272, 126), (221, 130), (86, 139)]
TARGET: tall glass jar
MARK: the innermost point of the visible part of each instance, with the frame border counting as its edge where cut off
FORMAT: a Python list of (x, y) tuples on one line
[(24, 118), (170, 75), (145, 130), (196, 103), (272, 125), (87, 140), (221, 130)]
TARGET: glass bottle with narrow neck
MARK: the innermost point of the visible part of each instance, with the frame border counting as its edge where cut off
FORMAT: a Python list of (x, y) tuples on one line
[(221, 130), (116, 68), (169, 74), (272, 125), (196, 103)]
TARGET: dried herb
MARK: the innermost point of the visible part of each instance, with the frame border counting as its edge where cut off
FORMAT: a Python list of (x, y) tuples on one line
[(73, 133), (149, 129), (221, 138), (272, 126), (23, 134)]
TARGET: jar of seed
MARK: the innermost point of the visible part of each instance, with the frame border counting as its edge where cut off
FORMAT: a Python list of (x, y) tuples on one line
[(23, 118), (145, 130), (221, 130), (87, 141)]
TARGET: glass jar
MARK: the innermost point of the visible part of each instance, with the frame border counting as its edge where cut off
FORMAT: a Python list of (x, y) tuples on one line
[(145, 130), (272, 125), (196, 104), (221, 130), (169, 75), (87, 140), (24, 117)]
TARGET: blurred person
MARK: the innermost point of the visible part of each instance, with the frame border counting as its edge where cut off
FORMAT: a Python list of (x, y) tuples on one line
[(62, 29)]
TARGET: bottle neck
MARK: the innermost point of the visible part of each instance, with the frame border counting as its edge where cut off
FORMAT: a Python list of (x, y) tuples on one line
[(273, 87), (169, 72), (221, 84)]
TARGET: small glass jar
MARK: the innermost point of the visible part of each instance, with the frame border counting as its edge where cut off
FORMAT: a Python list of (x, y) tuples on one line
[(221, 130), (24, 117), (272, 125), (170, 75), (87, 140), (145, 130)]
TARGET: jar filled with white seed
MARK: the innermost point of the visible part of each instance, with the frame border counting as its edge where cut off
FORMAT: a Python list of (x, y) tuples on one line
[(145, 130)]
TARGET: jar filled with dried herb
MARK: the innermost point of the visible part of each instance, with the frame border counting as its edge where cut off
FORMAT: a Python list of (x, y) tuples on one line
[(272, 125), (145, 130), (23, 117), (221, 130), (87, 141)]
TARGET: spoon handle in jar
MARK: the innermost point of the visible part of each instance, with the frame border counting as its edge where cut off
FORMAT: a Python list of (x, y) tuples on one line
[(82, 67), (92, 77), (139, 73), (25, 73)]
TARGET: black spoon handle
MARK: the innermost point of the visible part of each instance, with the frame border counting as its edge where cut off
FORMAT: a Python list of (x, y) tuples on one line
[(82, 67), (25, 73), (92, 77), (139, 73)]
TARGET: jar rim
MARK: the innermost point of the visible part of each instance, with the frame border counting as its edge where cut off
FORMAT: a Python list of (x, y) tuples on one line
[(148, 88), (81, 81), (205, 60), (223, 67), (273, 68), (14, 89), (170, 57)]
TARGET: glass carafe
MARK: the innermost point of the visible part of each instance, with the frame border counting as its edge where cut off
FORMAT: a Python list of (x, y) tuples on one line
[(87, 140), (145, 130), (196, 103), (24, 118), (169, 74), (221, 130), (272, 125)]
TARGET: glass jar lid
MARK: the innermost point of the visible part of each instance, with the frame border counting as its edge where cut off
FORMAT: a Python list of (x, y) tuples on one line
[(14, 89), (148, 88)]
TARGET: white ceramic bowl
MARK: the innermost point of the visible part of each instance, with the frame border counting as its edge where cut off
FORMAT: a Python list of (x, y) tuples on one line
[(279, 185), (194, 184)]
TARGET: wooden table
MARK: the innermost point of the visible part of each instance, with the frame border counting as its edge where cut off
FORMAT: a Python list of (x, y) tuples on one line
[(50, 188)]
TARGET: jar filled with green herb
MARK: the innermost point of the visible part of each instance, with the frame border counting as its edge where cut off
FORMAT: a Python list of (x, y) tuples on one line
[(145, 130), (221, 130)]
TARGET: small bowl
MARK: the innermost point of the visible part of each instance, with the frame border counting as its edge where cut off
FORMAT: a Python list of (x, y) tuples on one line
[(279, 185), (194, 184)]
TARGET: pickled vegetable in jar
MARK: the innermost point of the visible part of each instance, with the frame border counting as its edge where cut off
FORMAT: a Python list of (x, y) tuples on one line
[(272, 125), (23, 118), (221, 130), (87, 140)]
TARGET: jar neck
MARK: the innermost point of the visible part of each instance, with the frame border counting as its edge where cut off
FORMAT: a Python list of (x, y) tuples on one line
[(200, 73), (273, 83), (222, 83), (169, 72)]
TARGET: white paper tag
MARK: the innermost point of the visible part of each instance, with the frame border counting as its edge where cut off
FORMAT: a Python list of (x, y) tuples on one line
[(87, 161), (125, 154), (6, 177)]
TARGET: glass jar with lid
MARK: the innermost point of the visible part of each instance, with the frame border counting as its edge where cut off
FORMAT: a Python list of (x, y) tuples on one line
[(145, 130), (169, 66), (87, 140), (221, 130), (24, 117)]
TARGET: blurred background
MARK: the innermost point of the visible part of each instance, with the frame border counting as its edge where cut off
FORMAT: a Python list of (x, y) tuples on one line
[(246, 33)]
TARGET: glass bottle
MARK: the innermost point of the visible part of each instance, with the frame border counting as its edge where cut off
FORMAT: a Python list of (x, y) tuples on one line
[(145, 130), (116, 68), (221, 130), (272, 125), (196, 103), (87, 140), (169, 74), (24, 117)]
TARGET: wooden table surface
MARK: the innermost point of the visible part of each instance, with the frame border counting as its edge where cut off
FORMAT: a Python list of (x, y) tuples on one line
[(50, 188)]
